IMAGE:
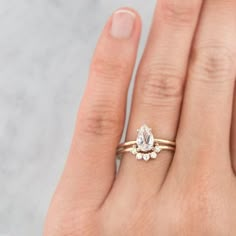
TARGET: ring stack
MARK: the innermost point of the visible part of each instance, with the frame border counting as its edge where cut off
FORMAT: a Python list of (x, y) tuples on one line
[(146, 147)]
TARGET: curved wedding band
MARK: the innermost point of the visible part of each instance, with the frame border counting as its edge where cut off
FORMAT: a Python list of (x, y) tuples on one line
[(146, 147)]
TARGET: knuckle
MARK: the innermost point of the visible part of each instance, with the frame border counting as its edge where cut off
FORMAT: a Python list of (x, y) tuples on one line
[(102, 120), (162, 85), (110, 68), (179, 12), (212, 64)]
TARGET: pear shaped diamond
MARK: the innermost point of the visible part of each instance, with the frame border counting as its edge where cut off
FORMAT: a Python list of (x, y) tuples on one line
[(145, 139)]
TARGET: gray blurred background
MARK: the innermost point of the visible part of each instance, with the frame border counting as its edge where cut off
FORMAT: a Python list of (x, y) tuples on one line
[(45, 50)]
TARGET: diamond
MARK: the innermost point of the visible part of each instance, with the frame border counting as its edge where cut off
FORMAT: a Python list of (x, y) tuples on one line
[(145, 139), (157, 149), (153, 155), (139, 156), (134, 151), (146, 157)]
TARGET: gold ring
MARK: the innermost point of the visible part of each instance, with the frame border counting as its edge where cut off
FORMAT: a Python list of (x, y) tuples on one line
[(146, 147)]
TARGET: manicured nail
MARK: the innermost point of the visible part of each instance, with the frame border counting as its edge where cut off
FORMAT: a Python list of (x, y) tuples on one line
[(122, 24)]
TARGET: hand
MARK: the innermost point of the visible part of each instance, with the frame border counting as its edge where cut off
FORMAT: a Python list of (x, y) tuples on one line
[(184, 90)]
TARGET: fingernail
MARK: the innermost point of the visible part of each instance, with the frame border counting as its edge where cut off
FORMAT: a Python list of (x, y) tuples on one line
[(122, 24)]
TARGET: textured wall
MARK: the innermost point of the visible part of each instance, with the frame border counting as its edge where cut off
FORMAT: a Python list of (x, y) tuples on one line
[(45, 49)]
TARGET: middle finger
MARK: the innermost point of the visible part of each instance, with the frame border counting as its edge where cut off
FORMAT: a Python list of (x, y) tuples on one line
[(159, 90)]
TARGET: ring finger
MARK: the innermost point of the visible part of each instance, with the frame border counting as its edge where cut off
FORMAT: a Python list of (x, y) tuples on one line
[(158, 92)]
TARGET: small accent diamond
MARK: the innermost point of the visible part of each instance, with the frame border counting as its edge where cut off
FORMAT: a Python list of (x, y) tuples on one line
[(146, 157), (153, 155), (157, 149), (139, 156), (134, 151)]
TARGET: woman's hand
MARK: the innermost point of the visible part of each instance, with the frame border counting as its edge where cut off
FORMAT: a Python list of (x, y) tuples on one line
[(184, 90)]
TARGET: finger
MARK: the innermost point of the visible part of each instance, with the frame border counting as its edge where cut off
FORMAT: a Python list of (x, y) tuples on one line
[(90, 168), (204, 133), (159, 90)]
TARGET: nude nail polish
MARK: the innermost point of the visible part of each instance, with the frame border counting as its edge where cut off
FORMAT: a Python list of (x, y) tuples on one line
[(122, 24)]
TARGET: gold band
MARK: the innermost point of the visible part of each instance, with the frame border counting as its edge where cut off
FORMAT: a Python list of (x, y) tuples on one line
[(125, 150), (159, 141)]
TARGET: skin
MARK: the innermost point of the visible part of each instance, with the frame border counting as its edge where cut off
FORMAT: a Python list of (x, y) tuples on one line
[(184, 90)]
